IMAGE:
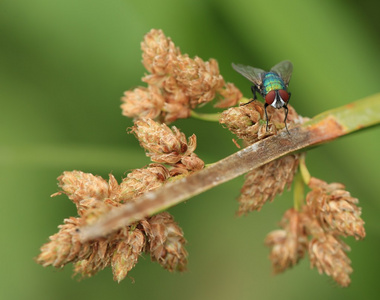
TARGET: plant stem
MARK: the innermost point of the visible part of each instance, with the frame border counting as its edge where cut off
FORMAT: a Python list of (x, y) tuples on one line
[(298, 192), (303, 169), (205, 117), (321, 129)]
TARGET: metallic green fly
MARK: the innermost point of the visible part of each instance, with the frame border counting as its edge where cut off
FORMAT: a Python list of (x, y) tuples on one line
[(271, 85)]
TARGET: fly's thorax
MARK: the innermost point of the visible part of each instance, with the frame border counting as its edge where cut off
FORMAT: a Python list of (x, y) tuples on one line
[(272, 81)]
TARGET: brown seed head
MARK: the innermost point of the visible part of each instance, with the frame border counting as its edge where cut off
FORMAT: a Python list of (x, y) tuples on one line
[(264, 183), (328, 255), (163, 145), (288, 245), (311, 223), (78, 186), (230, 95), (176, 83), (100, 258), (277, 116), (174, 110), (166, 242), (127, 253), (335, 209), (248, 122), (143, 102), (140, 181), (243, 122), (159, 52), (94, 197), (192, 162), (64, 246), (89, 192), (198, 79)]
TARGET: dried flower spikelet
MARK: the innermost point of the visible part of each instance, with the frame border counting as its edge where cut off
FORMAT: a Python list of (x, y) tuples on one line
[(92, 195), (288, 245), (140, 181), (248, 122), (264, 183), (198, 79), (166, 242), (187, 165), (202, 82), (113, 189), (230, 95), (194, 81), (328, 255), (192, 162), (64, 246), (100, 258), (159, 52), (277, 117), (78, 186), (243, 122), (312, 225), (176, 83), (335, 209), (127, 253), (143, 102), (163, 145), (175, 110)]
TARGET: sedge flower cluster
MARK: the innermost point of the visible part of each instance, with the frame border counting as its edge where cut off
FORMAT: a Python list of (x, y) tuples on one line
[(330, 212), (176, 85), (159, 235)]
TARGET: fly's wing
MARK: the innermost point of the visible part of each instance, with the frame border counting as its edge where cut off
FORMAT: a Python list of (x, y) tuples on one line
[(252, 74), (284, 69)]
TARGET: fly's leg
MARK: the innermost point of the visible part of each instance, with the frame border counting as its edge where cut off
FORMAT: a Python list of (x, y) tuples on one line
[(266, 115), (254, 89), (286, 116), (286, 113)]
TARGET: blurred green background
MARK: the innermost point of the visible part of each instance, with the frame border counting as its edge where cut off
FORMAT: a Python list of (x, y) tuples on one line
[(64, 66)]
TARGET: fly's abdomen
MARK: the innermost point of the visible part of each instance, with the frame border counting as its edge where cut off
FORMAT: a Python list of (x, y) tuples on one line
[(272, 82)]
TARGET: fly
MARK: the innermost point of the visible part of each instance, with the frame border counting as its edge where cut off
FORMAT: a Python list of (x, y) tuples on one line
[(271, 85)]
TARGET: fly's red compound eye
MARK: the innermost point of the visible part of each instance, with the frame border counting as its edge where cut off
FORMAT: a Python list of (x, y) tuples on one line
[(284, 95), (269, 98)]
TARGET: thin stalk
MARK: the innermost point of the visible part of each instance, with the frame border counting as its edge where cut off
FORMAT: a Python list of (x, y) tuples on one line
[(303, 169), (298, 192), (214, 117), (205, 117)]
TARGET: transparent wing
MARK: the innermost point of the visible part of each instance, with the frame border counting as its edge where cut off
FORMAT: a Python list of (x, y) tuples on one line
[(284, 69), (252, 74)]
